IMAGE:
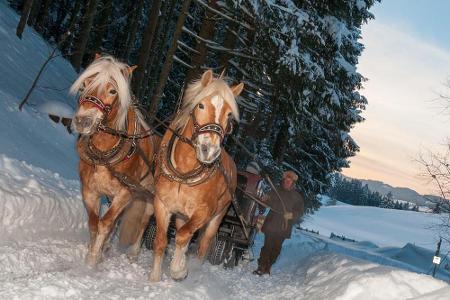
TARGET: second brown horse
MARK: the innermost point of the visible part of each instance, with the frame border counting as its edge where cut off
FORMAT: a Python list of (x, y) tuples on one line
[(195, 177)]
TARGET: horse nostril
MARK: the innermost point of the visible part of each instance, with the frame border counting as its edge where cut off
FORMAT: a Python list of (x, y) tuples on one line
[(87, 122), (204, 149), (83, 122)]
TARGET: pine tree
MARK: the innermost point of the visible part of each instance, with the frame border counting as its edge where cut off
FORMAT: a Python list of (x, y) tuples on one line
[(83, 37)]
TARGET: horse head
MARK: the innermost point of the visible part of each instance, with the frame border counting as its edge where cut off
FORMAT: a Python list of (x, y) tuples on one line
[(104, 95), (213, 108)]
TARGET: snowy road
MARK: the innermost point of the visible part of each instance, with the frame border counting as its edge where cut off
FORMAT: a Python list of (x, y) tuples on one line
[(54, 268)]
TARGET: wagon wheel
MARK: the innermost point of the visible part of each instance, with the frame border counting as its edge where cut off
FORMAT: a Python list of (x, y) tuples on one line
[(219, 250), (150, 234)]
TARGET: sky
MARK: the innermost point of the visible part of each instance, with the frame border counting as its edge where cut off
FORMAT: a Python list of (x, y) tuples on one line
[(407, 63)]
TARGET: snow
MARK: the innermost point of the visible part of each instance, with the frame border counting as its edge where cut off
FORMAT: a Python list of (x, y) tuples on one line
[(37, 201), (386, 227), (57, 108), (43, 226)]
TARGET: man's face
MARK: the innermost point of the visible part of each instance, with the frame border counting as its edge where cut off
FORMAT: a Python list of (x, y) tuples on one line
[(288, 183)]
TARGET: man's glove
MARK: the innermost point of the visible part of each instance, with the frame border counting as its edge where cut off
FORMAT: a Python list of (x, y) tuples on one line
[(288, 216)]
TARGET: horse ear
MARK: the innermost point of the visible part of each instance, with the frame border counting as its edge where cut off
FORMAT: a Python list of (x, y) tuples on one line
[(131, 69), (237, 89), (97, 56), (207, 77)]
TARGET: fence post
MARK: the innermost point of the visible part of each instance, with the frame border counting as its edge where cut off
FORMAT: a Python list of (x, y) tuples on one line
[(436, 259)]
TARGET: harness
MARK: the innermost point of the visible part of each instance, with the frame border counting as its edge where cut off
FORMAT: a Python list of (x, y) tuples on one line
[(123, 150), (197, 176), (203, 172)]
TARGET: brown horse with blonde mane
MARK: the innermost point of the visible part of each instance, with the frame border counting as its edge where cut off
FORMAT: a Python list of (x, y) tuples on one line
[(195, 177), (116, 155)]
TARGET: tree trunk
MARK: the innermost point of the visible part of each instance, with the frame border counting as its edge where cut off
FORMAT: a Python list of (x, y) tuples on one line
[(144, 52), (34, 12), (43, 14), (166, 8), (132, 28), (74, 17), (229, 43), (169, 60), (207, 33), (83, 37), (24, 17), (280, 145), (103, 25)]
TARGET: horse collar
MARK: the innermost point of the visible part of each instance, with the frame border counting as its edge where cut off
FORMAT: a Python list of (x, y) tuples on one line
[(194, 177), (123, 150)]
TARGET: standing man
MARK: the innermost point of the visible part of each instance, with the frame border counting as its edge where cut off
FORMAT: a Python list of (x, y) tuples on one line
[(277, 227)]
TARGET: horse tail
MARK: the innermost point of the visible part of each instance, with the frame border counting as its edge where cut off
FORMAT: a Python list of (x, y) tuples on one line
[(131, 222)]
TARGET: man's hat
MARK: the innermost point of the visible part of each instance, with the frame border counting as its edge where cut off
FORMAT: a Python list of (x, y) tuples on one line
[(253, 168), (291, 175)]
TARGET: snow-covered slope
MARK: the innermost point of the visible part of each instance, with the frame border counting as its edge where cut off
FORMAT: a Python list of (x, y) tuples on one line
[(30, 135), (43, 232), (386, 227)]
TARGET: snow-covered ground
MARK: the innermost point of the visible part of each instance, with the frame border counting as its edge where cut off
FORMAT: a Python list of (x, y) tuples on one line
[(388, 227), (43, 232)]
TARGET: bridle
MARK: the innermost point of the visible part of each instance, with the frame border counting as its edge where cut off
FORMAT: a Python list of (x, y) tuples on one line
[(211, 128), (104, 108)]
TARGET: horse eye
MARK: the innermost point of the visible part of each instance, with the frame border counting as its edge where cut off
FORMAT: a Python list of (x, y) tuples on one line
[(81, 89), (201, 106), (113, 92)]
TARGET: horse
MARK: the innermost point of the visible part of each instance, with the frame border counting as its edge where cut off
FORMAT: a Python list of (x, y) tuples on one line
[(116, 155), (195, 178)]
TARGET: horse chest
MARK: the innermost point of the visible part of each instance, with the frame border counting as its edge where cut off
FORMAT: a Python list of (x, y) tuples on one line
[(104, 183)]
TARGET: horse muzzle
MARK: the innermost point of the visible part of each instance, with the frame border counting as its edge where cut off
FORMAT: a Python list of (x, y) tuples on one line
[(207, 153), (84, 124)]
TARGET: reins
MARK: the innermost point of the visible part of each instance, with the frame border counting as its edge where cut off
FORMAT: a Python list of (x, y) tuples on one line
[(210, 127)]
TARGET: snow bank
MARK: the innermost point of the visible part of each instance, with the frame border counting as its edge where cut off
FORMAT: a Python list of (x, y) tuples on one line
[(21, 60), (37, 203), (385, 227), (30, 135)]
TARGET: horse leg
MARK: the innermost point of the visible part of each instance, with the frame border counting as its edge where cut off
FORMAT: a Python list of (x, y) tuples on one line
[(159, 245), (178, 268), (105, 225), (209, 233), (179, 222), (136, 247), (92, 203)]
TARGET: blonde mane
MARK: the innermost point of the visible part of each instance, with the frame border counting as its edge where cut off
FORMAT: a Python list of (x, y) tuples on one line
[(102, 71), (196, 92)]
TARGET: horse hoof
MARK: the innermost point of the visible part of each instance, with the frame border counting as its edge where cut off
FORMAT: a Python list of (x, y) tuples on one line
[(179, 275), (132, 258), (154, 277), (92, 260)]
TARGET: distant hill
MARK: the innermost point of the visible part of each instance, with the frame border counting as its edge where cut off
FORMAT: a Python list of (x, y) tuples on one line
[(399, 193)]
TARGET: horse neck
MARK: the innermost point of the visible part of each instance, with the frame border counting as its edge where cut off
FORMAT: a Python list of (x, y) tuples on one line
[(105, 141), (183, 155)]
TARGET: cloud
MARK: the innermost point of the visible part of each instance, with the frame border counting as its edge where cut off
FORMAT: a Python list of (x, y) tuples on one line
[(404, 71)]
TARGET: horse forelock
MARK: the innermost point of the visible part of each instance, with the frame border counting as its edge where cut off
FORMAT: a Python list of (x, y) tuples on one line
[(103, 71), (196, 92)]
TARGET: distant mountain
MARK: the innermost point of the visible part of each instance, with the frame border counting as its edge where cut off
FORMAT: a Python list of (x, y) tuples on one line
[(399, 193)]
